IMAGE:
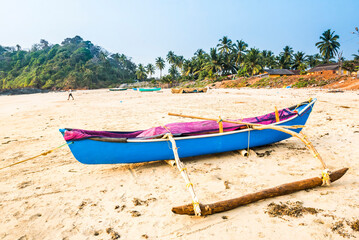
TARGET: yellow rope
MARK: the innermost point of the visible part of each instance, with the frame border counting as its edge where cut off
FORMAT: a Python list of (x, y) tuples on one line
[(42, 154), (183, 169), (195, 204), (276, 114), (325, 177), (189, 184), (220, 124)]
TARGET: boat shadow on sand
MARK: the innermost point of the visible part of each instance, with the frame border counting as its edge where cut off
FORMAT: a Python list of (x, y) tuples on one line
[(209, 158)]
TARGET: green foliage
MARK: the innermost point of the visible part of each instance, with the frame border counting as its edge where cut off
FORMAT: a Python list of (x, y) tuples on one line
[(329, 45), (311, 82), (73, 64), (263, 82)]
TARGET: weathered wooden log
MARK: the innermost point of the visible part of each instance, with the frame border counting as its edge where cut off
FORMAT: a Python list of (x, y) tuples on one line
[(208, 209)]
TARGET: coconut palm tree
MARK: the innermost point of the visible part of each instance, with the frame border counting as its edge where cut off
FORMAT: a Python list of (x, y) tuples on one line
[(173, 72), (329, 45), (179, 62), (225, 45), (141, 72), (253, 61), (299, 60), (285, 58), (214, 64), (150, 69), (160, 64), (199, 53), (269, 60), (313, 60), (187, 68), (239, 50), (171, 57)]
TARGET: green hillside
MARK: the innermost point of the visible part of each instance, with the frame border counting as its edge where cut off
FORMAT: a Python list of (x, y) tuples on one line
[(74, 63)]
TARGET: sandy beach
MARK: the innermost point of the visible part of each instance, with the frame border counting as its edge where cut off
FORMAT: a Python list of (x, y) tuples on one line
[(56, 197)]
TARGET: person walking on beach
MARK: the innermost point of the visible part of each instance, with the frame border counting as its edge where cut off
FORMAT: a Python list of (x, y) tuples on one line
[(70, 95)]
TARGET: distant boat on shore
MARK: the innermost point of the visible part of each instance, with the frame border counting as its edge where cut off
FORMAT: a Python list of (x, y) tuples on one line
[(146, 89), (117, 89)]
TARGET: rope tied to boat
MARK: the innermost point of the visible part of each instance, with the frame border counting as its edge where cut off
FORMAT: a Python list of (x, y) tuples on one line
[(39, 155), (325, 177), (220, 124), (183, 171)]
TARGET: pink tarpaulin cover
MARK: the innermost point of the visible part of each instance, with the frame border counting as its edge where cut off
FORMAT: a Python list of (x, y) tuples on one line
[(182, 128)]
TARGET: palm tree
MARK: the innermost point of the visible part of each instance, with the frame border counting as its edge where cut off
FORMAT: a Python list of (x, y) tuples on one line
[(150, 69), (356, 56), (214, 64), (285, 58), (187, 68), (299, 60), (224, 45), (179, 61), (173, 72), (240, 49), (253, 61), (160, 64), (141, 72), (329, 45), (199, 53), (313, 60), (171, 57), (269, 60)]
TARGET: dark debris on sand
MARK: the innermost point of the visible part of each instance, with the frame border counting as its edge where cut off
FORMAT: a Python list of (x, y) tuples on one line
[(292, 209), (355, 225), (114, 235), (137, 201)]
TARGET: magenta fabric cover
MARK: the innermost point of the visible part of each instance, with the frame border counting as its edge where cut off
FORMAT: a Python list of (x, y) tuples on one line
[(182, 128)]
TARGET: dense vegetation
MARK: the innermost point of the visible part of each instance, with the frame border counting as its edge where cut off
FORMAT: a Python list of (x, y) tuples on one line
[(73, 64), (237, 58), (80, 64)]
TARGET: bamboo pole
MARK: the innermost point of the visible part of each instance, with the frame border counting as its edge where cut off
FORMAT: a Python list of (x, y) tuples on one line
[(222, 206), (183, 170), (229, 121), (273, 127)]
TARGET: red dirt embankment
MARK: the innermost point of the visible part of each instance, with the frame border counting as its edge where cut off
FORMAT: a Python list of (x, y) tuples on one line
[(331, 81)]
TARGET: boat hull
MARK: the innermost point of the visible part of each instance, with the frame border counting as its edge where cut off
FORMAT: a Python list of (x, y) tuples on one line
[(90, 151), (117, 89), (147, 89)]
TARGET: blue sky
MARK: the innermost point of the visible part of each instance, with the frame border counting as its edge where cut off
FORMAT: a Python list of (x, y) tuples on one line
[(144, 30)]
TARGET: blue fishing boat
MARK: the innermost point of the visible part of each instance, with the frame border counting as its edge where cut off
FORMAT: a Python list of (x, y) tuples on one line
[(146, 89), (192, 138)]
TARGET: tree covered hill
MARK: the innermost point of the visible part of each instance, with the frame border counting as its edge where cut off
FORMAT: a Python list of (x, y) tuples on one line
[(74, 63)]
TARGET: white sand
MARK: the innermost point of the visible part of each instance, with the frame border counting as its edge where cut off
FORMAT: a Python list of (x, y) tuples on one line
[(56, 197)]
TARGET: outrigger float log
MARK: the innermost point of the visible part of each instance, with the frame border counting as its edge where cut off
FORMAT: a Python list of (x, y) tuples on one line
[(208, 209)]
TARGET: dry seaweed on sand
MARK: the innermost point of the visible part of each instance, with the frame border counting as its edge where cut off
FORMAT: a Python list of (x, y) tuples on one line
[(355, 225), (114, 235), (292, 209), (339, 228)]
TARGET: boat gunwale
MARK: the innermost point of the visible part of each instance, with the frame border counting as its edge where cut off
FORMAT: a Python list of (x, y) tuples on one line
[(132, 140)]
